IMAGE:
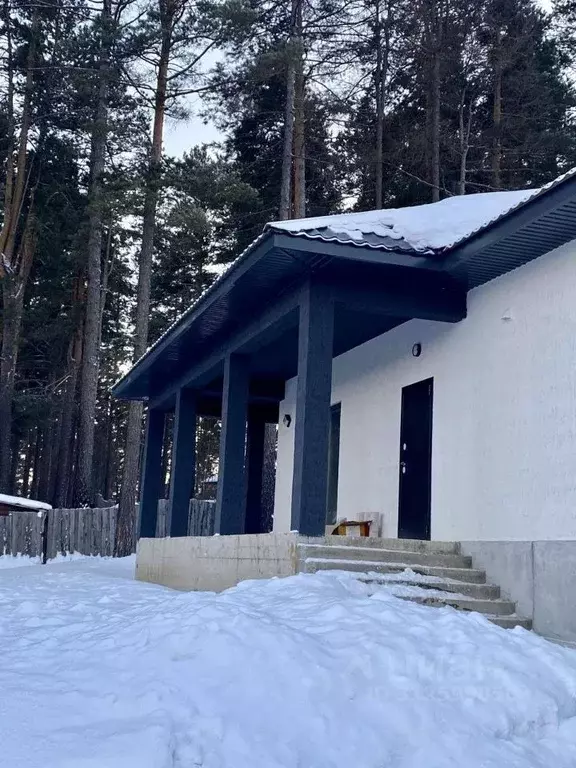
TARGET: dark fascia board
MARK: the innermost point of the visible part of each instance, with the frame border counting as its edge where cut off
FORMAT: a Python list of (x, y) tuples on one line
[(238, 268), (361, 252), (510, 223)]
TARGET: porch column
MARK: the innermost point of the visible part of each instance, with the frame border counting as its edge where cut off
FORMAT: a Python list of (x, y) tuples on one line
[(231, 497), (151, 482), (183, 470), (312, 423), (255, 469)]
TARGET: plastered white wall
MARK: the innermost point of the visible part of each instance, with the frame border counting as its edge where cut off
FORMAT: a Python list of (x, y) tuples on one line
[(504, 419)]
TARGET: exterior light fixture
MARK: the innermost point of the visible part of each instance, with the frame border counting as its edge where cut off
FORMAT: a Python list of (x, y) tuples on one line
[(417, 349), (287, 420)]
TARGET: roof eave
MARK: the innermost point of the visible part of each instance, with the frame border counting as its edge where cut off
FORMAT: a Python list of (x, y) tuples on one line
[(522, 216), (254, 251)]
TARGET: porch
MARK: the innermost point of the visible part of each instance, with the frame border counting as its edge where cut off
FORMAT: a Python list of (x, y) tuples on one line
[(285, 309)]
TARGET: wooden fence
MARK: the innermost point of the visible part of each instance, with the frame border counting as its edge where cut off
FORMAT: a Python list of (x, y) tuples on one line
[(87, 531), (200, 518)]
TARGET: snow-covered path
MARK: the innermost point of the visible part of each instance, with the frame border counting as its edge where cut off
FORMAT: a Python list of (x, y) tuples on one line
[(99, 671)]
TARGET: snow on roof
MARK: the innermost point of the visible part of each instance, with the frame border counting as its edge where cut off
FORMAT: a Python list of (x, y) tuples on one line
[(422, 228), (18, 501)]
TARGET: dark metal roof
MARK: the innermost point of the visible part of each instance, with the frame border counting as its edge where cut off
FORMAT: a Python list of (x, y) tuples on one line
[(545, 222), (369, 239), (276, 262)]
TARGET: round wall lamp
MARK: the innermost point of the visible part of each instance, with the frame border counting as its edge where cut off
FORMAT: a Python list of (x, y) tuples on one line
[(287, 420), (417, 349)]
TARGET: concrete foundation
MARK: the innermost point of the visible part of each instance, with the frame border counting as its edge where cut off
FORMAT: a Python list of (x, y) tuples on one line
[(214, 563), (540, 576)]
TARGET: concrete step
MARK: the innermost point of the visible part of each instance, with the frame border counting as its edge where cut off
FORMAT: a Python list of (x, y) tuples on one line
[(463, 603), (487, 591), (451, 579), (406, 545), (509, 622), (379, 554), (313, 564)]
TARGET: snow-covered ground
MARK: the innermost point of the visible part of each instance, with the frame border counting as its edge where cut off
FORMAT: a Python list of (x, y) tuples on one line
[(312, 671)]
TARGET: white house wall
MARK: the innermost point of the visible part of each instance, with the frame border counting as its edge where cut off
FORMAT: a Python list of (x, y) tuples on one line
[(504, 418)]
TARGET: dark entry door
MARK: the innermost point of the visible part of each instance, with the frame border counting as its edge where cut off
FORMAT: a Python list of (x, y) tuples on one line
[(415, 461)]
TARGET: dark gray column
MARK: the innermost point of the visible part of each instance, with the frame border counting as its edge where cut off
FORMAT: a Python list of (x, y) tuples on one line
[(151, 481), (183, 469), (231, 499), (312, 422), (255, 469)]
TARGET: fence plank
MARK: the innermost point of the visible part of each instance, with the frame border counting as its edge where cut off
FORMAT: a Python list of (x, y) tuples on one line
[(4, 539), (88, 531)]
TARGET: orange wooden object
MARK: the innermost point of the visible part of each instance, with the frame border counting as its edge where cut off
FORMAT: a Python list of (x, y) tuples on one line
[(342, 528)]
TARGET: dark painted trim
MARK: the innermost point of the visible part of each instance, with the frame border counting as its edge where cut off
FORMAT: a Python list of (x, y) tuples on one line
[(254, 470), (312, 422), (151, 482), (213, 409), (446, 304), (231, 497), (183, 470), (526, 214), (300, 244), (244, 262), (270, 390), (263, 329)]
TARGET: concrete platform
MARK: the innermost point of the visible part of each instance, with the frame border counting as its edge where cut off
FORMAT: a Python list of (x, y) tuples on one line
[(214, 563)]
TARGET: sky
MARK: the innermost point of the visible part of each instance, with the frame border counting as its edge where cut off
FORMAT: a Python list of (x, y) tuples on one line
[(181, 135)]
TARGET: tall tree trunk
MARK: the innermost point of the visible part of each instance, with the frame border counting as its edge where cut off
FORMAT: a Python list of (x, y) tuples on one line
[(496, 158), (433, 41), (36, 463), (435, 127), (10, 131), (127, 509), (28, 455), (13, 288), (299, 124), (44, 463), (379, 88), (112, 466), (15, 267), (14, 461), (83, 494), (464, 128), (285, 211), (16, 187), (286, 183), (64, 465)]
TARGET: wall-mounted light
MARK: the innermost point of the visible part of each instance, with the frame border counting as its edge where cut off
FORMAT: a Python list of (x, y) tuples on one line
[(287, 420), (417, 349)]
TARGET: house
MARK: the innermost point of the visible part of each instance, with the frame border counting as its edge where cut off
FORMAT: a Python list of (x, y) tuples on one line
[(9, 504), (421, 366)]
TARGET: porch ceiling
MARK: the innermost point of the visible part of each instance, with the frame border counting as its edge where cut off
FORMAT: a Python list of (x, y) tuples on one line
[(255, 312)]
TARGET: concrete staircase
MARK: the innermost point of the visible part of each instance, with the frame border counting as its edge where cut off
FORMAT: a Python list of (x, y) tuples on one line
[(428, 572)]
